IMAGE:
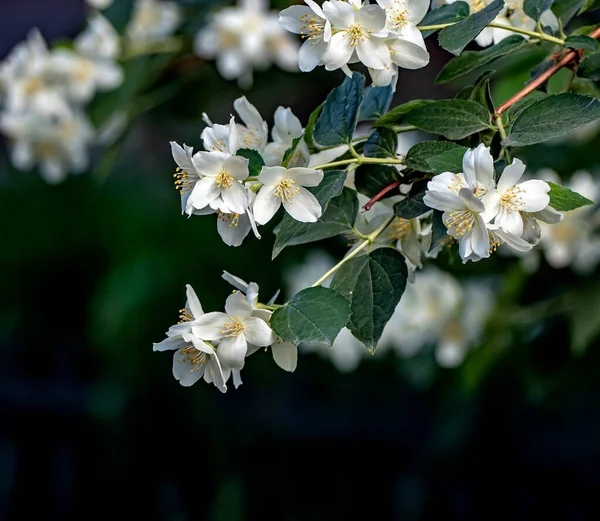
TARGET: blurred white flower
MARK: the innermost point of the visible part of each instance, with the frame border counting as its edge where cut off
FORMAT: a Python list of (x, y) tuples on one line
[(153, 20), (99, 39), (287, 127), (99, 4), (243, 38)]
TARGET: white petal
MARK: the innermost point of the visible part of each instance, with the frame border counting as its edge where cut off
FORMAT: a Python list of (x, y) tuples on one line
[(169, 344), (511, 175), (470, 201), (371, 17), (237, 306), (480, 242), (510, 220), (236, 198), (237, 166), (410, 33), (338, 52), (408, 55), (214, 373), (443, 201), (210, 325), (310, 54), (205, 192), (340, 14), (236, 282), (305, 176), (514, 241), (285, 355), (417, 9), (233, 235), (290, 18), (534, 195), (374, 53), (236, 377), (181, 158), (549, 215), (478, 165), (186, 373), (258, 332), (287, 126), (265, 205), (232, 351), (209, 163), (383, 77), (194, 302), (248, 113), (271, 175), (304, 207), (233, 140), (491, 202)]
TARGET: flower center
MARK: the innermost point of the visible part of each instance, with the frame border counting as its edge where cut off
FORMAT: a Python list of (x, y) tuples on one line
[(456, 184), (231, 219), (512, 200), (399, 229), (311, 28), (398, 16), (224, 180), (192, 355), (285, 190), (493, 242), (183, 183), (233, 328), (460, 222), (357, 33), (185, 315), (477, 5)]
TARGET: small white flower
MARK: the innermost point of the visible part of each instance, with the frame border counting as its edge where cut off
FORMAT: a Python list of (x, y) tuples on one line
[(234, 329), (411, 238), (286, 186), (99, 40), (153, 20), (287, 127), (234, 227), (194, 358), (357, 35)]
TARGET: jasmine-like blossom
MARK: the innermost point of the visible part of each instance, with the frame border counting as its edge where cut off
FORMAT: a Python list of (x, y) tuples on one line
[(153, 20), (287, 127)]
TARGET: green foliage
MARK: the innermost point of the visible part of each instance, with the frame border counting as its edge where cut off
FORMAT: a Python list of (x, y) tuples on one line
[(412, 205), (535, 8), (563, 199), (372, 179), (424, 155), (552, 117), (439, 232), (566, 9), (255, 160), (337, 120), (582, 41), (514, 110), (454, 119), (590, 67), (398, 114), (381, 143), (289, 153), (445, 14), (310, 129), (456, 37), (315, 315), (376, 101), (470, 60), (373, 284)]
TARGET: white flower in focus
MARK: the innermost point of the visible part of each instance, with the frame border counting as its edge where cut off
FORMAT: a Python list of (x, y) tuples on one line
[(153, 20), (312, 25), (234, 227), (194, 358), (99, 40), (234, 329), (357, 35), (287, 127), (286, 186)]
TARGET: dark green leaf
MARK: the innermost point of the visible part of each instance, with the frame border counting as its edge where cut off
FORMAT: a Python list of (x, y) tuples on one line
[(255, 160), (514, 110), (450, 161), (381, 143), (397, 114), (338, 218), (310, 128), (445, 14), (439, 232), (585, 87), (590, 67), (373, 284), (456, 37), (582, 42), (589, 5), (535, 8), (289, 153), (376, 101), (552, 117), (471, 60), (337, 121), (315, 315), (371, 179), (563, 199), (413, 206), (482, 93), (454, 119), (566, 9), (420, 156)]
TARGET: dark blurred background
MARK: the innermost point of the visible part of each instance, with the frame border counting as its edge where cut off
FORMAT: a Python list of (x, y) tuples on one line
[(93, 425)]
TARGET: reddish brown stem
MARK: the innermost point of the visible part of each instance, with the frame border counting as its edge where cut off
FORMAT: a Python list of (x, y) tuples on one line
[(567, 58), (380, 195)]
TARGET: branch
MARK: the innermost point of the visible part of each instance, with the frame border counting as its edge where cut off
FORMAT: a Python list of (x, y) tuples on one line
[(567, 59), (380, 195)]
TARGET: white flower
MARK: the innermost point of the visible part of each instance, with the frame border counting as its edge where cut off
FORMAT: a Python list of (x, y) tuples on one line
[(99, 4), (194, 358), (286, 186), (357, 35), (99, 40), (287, 127), (153, 20), (234, 329), (234, 227), (310, 23), (412, 239)]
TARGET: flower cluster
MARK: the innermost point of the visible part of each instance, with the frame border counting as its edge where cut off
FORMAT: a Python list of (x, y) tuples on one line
[(214, 345), (482, 214), (382, 36), (217, 180), (246, 37)]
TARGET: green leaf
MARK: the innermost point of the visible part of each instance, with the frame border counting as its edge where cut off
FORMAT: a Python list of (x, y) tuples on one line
[(456, 37), (420, 156), (590, 67), (315, 315), (337, 121), (413, 206), (514, 110), (255, 160), (482, 93), (373, 284), (439, 232), (338, 218), (585, 87), (552, 117), (397, 115), (310, 128), (450, 161), (289, 153), (376, 101), (471, 60), (381, 143), (454, 119), (566, 9), (445, 14), (584, 318), (589, 5), (535, 8), (371, 179), (582, 41), (563, 199)]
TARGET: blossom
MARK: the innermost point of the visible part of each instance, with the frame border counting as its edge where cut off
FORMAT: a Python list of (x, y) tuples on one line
[(287, 127), (357, 35), (234, 329), (234, 227), (99, 39), (99, 4), (313, 26), (286, 186), (194, 358), (411, 238), (153, 20)]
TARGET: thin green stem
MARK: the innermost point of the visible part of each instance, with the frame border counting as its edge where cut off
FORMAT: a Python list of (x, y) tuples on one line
[(500, 126), (353, 151), (404, 128), (362, 161), (434, 27)]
